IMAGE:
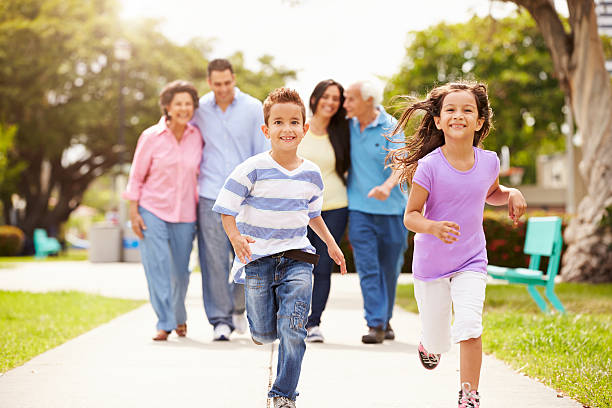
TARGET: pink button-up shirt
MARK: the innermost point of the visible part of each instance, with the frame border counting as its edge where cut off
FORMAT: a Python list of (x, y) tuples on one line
[(164, 174)]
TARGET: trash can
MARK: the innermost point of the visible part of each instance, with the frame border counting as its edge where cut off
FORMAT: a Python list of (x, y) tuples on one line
[(131, 246), (105, 243)]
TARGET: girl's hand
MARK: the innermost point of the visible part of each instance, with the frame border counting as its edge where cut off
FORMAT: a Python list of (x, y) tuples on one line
[(516, 205), (445, 231), (241, 246), (336, 254), (138, 224)]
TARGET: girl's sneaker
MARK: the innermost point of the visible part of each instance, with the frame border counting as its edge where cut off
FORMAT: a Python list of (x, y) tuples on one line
[(468, 398), (429, 361), (283, 402)]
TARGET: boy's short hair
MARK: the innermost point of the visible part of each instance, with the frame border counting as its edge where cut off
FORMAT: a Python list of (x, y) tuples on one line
[(283, 95), (219, 64)]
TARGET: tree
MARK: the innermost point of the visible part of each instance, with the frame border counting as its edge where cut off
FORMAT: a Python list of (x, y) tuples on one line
[(510, 56), (578, 58)]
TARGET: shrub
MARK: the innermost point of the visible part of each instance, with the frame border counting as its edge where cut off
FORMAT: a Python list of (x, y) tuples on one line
[(11, 240)]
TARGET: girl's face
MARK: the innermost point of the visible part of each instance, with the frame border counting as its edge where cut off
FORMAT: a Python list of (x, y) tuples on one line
[(180, 108), (459, 116), (329, 103)]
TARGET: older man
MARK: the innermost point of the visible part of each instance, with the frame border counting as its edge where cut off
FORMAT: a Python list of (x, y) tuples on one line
[(230, 122), (376, 206)]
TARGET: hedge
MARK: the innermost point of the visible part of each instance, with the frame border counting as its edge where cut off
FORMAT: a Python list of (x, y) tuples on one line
[(11, 240)]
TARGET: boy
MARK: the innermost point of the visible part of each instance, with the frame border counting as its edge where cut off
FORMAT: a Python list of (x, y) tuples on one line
[(266, 205)]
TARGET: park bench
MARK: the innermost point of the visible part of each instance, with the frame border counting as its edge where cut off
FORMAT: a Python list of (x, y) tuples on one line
[(543, 238), (44, 245)]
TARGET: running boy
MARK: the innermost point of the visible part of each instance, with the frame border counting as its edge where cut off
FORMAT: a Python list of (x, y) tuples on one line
[(266, 205), (452, 178)]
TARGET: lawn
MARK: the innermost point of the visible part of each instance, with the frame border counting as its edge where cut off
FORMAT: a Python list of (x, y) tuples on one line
[(67, 255), (571, 353), (35, 322)]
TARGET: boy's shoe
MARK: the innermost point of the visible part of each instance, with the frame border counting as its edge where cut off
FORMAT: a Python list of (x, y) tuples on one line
[(240, 323), (429, 361), (389, 333), (314, 335), (468, 398), (375, 335), (283, 402), (222, 332)]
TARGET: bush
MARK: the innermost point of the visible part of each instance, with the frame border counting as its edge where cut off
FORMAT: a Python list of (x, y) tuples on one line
[(11, 240)]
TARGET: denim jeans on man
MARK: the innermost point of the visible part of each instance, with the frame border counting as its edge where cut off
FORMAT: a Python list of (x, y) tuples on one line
[(165, 251), (278, 292), (378, 242), (336, 223), (221, 298)]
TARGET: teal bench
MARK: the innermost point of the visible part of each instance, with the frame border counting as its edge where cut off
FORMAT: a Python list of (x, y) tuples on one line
[(543, 238), (44, 245)]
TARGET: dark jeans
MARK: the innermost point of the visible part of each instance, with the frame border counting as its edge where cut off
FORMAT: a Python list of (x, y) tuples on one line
[(336, 223)]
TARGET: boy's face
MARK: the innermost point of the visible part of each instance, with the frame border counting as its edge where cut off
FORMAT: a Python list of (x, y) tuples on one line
[(285, 128)]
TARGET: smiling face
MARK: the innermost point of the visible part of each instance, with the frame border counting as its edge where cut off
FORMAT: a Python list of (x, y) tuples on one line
[(180, 108), (222, 84), (459, 116), (329, 103), (285, 127)]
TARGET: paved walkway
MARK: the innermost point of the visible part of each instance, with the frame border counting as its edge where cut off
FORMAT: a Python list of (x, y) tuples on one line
[(117, 365)]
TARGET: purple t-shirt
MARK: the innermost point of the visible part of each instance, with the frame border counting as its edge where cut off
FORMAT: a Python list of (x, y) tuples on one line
[(457, 196)]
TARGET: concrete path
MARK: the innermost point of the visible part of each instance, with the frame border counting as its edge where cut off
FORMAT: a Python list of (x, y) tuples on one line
[(117, 365)]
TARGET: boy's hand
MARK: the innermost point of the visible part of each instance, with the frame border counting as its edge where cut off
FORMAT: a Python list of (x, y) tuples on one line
[(516, 205), (445, 231), (242, 247), (336, 254)]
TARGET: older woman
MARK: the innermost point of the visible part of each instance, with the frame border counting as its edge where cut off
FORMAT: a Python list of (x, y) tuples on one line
[(327, 144), (162, 190)]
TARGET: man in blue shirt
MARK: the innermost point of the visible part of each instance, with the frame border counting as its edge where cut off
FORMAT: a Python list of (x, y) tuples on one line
[(230, 122), (376, 206)]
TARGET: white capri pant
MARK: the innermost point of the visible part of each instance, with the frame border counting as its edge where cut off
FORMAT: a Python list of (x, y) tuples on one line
[(465, 293)]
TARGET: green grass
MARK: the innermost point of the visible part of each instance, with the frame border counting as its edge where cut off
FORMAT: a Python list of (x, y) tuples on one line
[(35, 322), (67, 255), (571, 353)]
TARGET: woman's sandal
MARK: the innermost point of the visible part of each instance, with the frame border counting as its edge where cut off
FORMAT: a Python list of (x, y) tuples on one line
[(181, 330), (161, 335)]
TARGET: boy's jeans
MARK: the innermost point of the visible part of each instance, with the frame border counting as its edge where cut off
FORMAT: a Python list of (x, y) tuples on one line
[(278, 292)]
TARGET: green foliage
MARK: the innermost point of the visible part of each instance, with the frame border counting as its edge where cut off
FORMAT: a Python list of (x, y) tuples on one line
[(11, 240), (510, 56), (35, 322)]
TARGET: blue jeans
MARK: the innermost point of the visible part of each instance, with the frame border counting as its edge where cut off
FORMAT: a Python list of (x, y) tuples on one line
[(336, 223), (165, 251), (278, 291), (379, 242), (221, 298)]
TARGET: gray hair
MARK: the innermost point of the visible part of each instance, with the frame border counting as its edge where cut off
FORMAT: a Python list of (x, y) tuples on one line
[(371, 90)]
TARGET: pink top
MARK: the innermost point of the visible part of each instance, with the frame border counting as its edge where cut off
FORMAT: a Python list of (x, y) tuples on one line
[(164, 174)]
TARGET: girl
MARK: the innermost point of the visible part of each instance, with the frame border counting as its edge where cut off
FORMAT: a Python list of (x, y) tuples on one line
[(452, 178)]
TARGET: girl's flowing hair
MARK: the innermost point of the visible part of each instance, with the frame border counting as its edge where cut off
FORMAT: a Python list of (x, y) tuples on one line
[(427, 137)]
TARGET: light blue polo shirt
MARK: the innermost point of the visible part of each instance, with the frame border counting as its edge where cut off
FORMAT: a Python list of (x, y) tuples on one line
[(368, 151), (230, 138)]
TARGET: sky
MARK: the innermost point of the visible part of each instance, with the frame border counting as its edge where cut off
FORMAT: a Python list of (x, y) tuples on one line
[(340, 39)]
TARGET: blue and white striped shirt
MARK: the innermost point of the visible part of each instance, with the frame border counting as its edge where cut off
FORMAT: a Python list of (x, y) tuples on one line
[(272, 205)]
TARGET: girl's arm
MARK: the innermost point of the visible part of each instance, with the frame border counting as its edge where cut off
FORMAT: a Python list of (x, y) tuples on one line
[(502, 195), (318, 226), (445, 231), (240, 242)]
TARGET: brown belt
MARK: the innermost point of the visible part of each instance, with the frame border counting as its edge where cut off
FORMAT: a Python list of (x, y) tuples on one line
[(298, 255)]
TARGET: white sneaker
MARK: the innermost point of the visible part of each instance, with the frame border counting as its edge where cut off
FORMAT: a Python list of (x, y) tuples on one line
[(240, 323), (315, 335), (222, 332)]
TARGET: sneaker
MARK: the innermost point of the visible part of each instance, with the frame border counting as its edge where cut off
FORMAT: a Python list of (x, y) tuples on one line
[(429, 361), (222, 332), (240, 323), (389, 333), (375, 335), (283, 402), (314, 335), (467, 397)]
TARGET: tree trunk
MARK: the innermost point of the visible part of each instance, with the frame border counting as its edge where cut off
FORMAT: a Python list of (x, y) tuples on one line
[(580, 67)]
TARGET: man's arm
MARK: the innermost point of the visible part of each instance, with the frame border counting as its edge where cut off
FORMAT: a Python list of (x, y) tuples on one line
[(383, 191)]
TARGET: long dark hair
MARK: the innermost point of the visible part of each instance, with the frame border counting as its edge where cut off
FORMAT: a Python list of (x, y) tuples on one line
[(338, 128), (427, 137)]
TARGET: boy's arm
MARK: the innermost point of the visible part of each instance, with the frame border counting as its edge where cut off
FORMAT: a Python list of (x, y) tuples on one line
[(445, 231), (318, 226), (240, 243), (501, 195)]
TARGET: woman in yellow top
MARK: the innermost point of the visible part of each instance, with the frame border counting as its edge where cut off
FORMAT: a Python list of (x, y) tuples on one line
[(327, 143)]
